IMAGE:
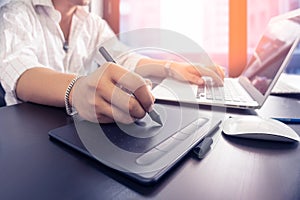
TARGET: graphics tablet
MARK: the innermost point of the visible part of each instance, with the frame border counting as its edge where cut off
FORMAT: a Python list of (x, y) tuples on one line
[(144, 150)]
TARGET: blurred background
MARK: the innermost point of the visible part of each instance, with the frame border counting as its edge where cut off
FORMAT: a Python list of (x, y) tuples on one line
[(228, 30)]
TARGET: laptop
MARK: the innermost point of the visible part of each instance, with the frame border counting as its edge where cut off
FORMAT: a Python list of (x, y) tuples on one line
[(288, 84), (143, 151), (250, 90)]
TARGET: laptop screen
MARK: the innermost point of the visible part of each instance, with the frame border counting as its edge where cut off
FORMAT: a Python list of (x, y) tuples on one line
[(271, 53)]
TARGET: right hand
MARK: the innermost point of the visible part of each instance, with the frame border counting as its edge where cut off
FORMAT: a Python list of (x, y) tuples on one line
[(99, 98)]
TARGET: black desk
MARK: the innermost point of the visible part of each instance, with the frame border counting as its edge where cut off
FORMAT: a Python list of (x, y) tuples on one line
[(33, 167)]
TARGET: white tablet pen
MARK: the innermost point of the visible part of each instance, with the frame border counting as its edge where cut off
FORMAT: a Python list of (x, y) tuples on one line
[(152, 113)]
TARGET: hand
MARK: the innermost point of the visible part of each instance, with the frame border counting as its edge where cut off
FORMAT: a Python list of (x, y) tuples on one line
[(193, 73), (102, 97)]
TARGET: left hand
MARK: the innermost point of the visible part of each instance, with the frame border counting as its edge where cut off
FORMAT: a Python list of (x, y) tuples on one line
[(194, 73)]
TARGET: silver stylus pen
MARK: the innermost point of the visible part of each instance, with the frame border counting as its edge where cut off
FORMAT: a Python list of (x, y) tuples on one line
[(152, 113)]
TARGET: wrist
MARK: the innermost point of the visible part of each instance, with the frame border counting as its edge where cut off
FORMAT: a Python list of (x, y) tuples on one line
[(168, 70)]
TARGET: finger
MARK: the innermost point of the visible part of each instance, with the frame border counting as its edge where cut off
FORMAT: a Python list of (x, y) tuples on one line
[(149, 83), (194, 79), (207, 71), (112, 78), (138, 86), (144, 97), (107, 113), (121, 116), (221, 71), (103, 119), (122, 100), (150, 86)]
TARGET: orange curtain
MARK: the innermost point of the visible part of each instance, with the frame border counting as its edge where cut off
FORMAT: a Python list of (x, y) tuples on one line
[(237, 37)]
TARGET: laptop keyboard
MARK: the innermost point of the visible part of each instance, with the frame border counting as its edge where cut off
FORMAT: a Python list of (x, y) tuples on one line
[(228, 92)]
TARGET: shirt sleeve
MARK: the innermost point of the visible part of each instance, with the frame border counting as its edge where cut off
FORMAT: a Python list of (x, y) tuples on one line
[(123, 54), (17, 45)]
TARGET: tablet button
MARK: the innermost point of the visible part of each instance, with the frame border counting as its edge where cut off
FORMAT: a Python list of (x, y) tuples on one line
[(189, 130), (199, 122), (180, 136), (168, 144), (194, 126), (149, 157)]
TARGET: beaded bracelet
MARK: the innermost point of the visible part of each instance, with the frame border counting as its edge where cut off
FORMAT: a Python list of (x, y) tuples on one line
[(69, 109)]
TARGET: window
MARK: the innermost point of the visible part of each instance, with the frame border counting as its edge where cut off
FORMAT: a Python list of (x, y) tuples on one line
[(205, 22), (228, 30)]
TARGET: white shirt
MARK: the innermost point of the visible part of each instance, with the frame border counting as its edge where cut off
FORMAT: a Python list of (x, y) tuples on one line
[(30, 36)]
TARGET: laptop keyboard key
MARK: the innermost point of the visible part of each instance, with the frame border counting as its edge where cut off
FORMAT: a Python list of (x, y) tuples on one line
[(201, 92)]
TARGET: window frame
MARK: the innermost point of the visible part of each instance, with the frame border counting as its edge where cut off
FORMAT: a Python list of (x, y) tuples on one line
[(111, 13)]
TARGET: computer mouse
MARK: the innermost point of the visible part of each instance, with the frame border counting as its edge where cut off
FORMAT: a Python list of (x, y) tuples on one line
[(255, 127)]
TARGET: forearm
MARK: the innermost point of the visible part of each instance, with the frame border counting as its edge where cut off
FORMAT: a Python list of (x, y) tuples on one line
[(151, 67), (180, 71), (43, 86)]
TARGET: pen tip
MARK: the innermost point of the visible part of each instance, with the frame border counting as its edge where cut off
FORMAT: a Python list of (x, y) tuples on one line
[(158, 120), (160, 123), (155, 117)]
